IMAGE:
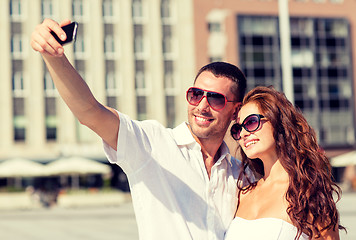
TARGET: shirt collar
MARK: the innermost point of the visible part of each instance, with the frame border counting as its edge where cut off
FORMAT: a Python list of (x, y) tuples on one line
[(183, 136)]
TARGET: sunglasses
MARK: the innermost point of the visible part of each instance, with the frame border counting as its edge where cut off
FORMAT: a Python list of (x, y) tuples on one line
[(216, 101), (251, 123)]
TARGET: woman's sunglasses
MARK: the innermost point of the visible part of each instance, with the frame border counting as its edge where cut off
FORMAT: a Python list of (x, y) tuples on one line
[(251, 123), (216, 101)]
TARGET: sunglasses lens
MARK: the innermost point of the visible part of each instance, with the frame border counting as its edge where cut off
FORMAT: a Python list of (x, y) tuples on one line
[(252, 123), (216, 100), (194, 95), (235, 131)]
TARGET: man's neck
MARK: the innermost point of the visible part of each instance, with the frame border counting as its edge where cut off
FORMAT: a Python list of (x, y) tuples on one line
[(211, 153)]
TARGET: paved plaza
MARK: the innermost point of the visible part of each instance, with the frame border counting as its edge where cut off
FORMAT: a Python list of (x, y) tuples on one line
[(106, 222)]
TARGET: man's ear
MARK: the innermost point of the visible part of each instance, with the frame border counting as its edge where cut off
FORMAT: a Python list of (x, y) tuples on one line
[(236, 111)]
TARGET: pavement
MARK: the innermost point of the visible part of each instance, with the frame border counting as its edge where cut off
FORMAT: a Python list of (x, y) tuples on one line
[(98, 215)]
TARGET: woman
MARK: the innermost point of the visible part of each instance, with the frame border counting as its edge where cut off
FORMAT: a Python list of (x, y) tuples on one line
[(294, 198)]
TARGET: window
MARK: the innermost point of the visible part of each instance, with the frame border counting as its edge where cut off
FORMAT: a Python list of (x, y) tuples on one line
[(109, 46), (140, 78), (170, 111), (17, 46), (78, 9), (167, 41), (137, 11), (19, 119), (16, 11), (110, 84), (108, 9), (47, 9), (166, 9), (51, 118), (79, 47), (214, 27), (139, 43), (141, 107), (302, 58), (49, 88), (18, 84)]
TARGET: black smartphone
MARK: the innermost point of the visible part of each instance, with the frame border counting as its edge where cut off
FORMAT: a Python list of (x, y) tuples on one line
[(71, 32)]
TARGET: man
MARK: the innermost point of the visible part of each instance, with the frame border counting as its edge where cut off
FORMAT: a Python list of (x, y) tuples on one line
[(182, 180)]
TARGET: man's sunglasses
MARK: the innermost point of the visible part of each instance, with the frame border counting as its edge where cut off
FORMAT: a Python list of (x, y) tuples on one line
[(251, 123), (216, 101)]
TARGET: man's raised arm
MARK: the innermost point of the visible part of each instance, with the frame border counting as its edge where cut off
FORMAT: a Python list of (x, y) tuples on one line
[(70, 85)]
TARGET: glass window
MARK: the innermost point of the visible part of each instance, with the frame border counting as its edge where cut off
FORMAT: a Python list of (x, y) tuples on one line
[(47, 8), (19, 119), (16, 9), (51, 118), (258, 25), (108, 9), (302, 58), (214, 27), (109, 44), (322, 71), (18, 86), (49, 87), (166, 9), (170, 111), (137, 11), (79, 46), (141, 107), (138, 39), (17, 46), (78, 9)]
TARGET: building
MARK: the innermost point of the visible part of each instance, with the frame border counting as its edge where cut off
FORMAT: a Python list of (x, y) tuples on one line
[(323, 55), (137, 56), (140, 56)]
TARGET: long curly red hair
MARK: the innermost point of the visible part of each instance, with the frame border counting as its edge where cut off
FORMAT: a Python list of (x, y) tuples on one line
[(312, 208)]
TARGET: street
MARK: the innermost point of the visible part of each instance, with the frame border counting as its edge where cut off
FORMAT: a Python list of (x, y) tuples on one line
[(104, 223), (107, 223)]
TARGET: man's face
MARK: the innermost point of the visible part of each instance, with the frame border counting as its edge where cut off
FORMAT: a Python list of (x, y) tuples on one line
[(205, 122)]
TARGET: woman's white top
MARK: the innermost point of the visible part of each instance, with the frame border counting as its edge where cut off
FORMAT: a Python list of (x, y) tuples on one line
[(262, 228)]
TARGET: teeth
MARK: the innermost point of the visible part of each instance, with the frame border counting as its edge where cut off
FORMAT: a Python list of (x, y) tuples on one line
[(202, 119), (250, 143)]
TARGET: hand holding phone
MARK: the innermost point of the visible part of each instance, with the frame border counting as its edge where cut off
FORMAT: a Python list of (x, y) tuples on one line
[(71, 32)]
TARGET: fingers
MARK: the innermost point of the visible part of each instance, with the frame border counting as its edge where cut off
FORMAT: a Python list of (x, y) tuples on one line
[(43, 41), (65, 22)]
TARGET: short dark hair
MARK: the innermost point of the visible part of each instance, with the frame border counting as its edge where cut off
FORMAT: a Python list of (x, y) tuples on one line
[(224, 69)]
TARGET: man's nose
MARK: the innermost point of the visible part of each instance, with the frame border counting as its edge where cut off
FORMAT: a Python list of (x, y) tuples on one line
[(203, 105)]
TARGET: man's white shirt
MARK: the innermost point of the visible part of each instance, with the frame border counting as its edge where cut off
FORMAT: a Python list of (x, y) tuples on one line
[(172, 195)]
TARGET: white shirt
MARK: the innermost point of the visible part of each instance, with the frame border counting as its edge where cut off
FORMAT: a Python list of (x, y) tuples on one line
[(172, 195), (262, 228)]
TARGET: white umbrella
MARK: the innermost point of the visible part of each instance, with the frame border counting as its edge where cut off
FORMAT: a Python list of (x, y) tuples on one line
[(20, 167), (76, 165), (344, 160)]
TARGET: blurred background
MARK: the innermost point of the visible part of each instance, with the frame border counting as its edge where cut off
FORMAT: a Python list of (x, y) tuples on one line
[(140, 56)]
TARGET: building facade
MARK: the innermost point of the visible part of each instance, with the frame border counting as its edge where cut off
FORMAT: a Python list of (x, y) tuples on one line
[(139, 56), (323, 55), (136, 55)]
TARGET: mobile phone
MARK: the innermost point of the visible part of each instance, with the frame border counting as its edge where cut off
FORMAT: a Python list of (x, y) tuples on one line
[(71, 32)]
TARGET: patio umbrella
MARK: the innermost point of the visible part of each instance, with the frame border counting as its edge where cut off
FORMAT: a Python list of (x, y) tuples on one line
[(76, 165), (344, 160), (20, 167)]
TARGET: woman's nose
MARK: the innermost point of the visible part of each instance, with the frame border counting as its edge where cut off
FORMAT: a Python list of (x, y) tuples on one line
[(244, 133)]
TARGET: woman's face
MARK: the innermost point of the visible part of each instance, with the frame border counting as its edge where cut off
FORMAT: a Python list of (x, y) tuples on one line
[(259, 143)]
